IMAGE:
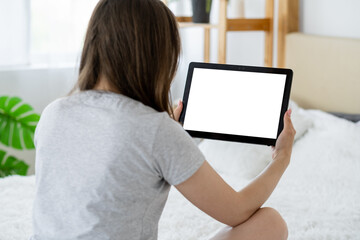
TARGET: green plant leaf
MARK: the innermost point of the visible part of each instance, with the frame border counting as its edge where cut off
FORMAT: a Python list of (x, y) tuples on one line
[(16, 143), (23, 108), (17, 123), (208, 6), (10, 165), (2, 102)]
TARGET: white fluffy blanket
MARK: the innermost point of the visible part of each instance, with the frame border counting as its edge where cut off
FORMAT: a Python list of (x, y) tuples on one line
[(318, 196)]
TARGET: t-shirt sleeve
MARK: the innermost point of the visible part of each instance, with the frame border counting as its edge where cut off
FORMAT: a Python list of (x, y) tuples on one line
[(176, 154)]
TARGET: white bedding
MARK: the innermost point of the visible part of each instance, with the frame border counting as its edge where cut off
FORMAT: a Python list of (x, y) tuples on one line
[(318, 196)]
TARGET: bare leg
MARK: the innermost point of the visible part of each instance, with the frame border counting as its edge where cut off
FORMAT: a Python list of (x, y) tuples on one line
[(265, 224)]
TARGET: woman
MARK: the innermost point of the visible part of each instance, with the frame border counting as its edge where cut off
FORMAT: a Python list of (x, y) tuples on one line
[(107, 155)]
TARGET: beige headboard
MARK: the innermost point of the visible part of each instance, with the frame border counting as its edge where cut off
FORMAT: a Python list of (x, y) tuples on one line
[(326, 72)]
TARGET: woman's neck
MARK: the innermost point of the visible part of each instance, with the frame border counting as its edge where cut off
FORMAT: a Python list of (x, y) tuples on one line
[(104, 85)]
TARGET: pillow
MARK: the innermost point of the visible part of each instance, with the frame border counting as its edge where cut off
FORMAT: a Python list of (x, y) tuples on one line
[(245, 160), (300, 119)]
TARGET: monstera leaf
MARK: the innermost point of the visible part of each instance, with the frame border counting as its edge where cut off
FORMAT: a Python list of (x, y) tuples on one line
[(11, 165), (17, 123)]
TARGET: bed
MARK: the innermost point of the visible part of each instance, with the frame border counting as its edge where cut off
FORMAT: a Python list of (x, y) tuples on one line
[(319, 194)]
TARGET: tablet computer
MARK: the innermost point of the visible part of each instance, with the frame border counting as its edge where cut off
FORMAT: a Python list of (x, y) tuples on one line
[(235, 103)]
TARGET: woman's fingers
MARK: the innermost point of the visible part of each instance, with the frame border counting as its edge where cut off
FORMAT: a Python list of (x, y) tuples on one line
[(288, 123), (177, 111)]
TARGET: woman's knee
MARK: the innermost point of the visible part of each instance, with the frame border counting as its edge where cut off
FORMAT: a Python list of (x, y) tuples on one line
[(276, 222), (265, 224)]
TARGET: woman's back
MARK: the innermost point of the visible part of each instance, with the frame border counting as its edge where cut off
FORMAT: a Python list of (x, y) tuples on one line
[(109, 178)]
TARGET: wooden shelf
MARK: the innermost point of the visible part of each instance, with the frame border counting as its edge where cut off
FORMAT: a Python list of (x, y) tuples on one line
[(226, 25), (203, 25), (184, 19), (187, 22), (248, 24)]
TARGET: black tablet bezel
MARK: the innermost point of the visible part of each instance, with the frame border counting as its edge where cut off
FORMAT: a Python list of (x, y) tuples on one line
[(230, 137)]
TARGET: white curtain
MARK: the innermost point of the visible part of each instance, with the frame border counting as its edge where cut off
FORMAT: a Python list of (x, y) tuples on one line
[(43, 32), (14, 32), (58, 29)]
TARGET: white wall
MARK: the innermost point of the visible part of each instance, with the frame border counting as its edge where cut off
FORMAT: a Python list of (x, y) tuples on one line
[(331, 18), (37, 87), (323, 17)]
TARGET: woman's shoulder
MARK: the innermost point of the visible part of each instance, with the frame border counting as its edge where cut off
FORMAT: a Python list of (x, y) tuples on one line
[(54, 105), (98, 100)]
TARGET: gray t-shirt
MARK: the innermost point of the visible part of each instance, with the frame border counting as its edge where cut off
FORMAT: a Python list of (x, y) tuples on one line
[(104, 165)]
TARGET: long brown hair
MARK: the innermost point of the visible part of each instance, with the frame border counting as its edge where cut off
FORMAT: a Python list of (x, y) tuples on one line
[(135, 45)]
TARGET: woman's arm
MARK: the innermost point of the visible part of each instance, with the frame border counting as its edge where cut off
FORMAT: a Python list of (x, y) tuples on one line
[(209, 192)]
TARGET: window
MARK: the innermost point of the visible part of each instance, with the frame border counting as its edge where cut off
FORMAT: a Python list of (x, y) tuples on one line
[(45, 32), (14, 30)]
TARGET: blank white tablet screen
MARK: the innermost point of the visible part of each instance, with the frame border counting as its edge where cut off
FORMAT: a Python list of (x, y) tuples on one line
[(235, 102)]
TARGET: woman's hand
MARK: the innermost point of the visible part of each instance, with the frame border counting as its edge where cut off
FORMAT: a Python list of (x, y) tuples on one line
[(283, 147), (177, 111)]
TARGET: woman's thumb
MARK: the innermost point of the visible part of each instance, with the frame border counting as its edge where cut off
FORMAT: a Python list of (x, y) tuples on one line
[(177, 111), (287, 120)]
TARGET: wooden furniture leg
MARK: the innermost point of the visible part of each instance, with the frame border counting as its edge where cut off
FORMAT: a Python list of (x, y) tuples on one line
[(207, 45), (222, 32), (269, 35), (288, 22)]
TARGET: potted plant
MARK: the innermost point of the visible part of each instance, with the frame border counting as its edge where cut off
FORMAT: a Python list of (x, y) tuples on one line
[(201, 11), (17, 127)]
